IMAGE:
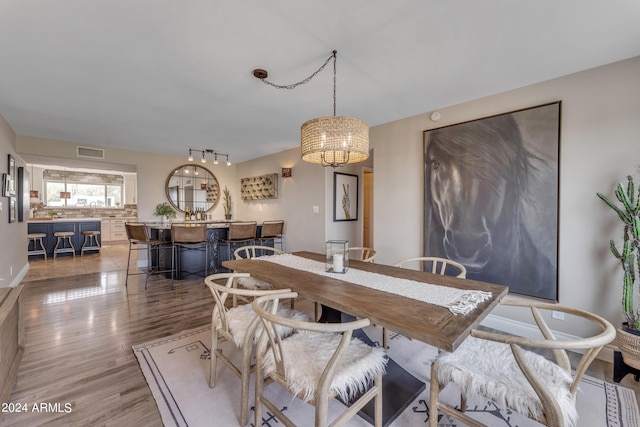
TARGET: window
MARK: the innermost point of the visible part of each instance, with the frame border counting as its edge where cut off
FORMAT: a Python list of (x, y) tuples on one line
[(86, 189)]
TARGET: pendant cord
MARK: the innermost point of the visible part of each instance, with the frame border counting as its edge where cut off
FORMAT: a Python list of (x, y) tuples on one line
[(308, 79)]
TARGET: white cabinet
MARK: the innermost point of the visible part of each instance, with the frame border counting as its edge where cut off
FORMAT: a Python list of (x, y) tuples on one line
[(130, 190), (113, 229)]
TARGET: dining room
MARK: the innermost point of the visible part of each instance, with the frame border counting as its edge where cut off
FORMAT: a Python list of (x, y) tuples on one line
[(70, 299)]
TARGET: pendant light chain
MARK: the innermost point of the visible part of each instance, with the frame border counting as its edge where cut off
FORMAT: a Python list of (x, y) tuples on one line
[(308, 79)]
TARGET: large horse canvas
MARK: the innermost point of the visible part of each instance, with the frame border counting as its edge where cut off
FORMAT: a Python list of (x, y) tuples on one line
[(491, 198)]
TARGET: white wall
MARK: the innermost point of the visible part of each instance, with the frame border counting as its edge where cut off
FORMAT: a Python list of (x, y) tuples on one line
[(599, 146), (13, 262)]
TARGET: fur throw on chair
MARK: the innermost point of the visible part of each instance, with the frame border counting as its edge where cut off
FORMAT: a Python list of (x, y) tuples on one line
[(489, 369)]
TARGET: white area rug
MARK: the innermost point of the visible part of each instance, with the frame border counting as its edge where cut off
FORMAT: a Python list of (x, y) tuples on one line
[(176, 370)]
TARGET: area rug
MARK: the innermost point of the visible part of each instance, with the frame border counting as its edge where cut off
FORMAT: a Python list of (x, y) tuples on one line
[(176, 369)]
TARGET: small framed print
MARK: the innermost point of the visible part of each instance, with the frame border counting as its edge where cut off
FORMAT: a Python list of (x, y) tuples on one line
[(12, 209), (345, 197), (11, 183)]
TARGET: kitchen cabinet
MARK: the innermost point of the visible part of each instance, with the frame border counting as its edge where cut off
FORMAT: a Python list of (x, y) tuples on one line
[(75, 225), (113, 229)]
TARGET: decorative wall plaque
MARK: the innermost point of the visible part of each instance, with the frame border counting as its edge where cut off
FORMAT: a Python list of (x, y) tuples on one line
[(259, 187)]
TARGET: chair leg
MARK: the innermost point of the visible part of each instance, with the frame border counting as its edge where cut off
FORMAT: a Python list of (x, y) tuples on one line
[(378, 401), (258, 395), (385, 338), (126, 280), (246, 375), (213, 358), (434, 389)]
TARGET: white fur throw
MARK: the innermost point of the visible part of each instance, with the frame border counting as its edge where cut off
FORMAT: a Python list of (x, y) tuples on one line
[(306, 354), (253, 283), (241, 316), (489, 369)]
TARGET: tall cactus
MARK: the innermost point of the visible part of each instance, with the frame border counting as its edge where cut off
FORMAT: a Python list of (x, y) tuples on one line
[(629, 255)]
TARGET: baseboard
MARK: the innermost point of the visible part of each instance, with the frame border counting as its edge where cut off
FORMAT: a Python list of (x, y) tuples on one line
[(531, 331)]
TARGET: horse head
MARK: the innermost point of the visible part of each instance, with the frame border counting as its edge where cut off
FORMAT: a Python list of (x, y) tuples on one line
[(476, 176)]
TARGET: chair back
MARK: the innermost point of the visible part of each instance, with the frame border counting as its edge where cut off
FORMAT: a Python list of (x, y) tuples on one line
[(242, 230), (272, 229), (189, 233), (362, 253), (221, 293), (137, 233), (266, 306), (437, 265), (253, 251)]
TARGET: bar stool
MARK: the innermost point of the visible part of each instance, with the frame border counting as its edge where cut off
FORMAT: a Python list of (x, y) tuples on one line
[(90, 241), (192, 237), (272, 230), (140, 239), (240, 232), (36, 238), (63, 237)]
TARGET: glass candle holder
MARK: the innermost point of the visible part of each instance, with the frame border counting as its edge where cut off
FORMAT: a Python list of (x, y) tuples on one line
[(337, 256)]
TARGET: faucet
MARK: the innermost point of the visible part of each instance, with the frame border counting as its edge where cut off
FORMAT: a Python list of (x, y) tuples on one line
[(92, 207)]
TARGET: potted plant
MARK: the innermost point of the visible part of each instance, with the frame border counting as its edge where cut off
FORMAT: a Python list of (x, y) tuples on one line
[(226, 202), (628, 337), (163, 210)]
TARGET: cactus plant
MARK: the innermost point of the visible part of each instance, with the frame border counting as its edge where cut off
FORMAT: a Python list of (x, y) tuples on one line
[(226, 202), (629, 252)]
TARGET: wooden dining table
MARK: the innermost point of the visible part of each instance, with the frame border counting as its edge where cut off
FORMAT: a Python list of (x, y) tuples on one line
[(429, 323)]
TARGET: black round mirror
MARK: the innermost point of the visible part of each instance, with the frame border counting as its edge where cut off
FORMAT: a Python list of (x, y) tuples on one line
[(192, 187)]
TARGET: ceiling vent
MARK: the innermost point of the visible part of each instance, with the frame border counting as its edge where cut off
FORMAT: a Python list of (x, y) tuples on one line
[(90, 153)]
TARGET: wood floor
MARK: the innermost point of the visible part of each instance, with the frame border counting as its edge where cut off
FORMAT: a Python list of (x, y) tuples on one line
[(80, 324)]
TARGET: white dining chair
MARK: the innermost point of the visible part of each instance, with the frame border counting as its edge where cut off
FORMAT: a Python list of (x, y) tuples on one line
[(503, 368), (317, 363)]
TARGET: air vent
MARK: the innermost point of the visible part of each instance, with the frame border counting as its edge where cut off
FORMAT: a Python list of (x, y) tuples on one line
[(90, 153)]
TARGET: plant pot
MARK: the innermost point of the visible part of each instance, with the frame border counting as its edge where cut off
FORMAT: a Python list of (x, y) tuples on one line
[(227, 216), (628, 341)]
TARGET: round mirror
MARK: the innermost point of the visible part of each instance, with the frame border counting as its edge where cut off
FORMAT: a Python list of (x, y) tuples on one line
[(192, 187)]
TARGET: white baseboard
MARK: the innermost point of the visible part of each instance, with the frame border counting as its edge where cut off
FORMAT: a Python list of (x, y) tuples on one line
[(531, 331)]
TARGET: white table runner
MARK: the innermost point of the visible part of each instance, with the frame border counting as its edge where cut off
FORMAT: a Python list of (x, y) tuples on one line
[(458, 301)]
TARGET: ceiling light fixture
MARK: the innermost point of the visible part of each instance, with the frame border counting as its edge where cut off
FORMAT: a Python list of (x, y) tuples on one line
[(206, 151), (65, 194), (33, 194), (333, 140)]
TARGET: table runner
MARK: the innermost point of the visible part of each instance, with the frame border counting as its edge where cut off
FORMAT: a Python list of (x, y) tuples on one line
[(458, 301)]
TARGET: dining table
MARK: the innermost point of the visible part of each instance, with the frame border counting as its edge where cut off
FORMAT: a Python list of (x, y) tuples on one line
[(440, 326), (432, 324)]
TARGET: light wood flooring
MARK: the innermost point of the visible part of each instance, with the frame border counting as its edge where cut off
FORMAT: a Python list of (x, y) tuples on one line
[(80, 324)]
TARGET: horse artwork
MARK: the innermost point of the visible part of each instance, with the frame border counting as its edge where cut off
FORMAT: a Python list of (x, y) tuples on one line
[(491, 198)]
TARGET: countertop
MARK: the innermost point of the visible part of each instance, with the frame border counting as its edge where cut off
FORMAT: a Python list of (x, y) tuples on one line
[(49, 219)]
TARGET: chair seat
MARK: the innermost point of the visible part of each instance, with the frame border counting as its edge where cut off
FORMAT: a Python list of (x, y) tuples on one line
[(253, 283), (488, 368), (241, 316), (306, 355)]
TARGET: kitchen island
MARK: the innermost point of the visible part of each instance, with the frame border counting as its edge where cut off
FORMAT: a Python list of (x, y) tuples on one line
[(50, 226)]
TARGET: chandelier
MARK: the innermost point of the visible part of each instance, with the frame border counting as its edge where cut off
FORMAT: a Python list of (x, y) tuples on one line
[(204, 153), (331, 140)]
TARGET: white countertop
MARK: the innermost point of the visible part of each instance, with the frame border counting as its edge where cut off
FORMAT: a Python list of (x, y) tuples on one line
[(35, 221)]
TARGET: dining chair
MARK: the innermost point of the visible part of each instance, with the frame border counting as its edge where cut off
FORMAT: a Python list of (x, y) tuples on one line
[(319, 362), (498, 367), (254, 251), (272, 231), (238, 324), (436, 265), (362, 253), (139, 237), (239, 233), (188, 238)]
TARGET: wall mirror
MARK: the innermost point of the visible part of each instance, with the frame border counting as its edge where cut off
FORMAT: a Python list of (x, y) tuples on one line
[(192, 187)]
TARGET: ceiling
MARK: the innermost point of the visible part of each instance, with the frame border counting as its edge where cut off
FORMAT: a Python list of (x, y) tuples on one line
[(163, 76)]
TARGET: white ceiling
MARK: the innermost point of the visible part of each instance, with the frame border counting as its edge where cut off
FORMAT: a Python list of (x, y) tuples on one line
[(162, 75)]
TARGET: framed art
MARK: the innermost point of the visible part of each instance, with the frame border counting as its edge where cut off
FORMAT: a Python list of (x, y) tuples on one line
[(11, 172), (13, 211), (491, 198), (23, 202), (5, 185), (345, 197)]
